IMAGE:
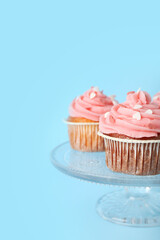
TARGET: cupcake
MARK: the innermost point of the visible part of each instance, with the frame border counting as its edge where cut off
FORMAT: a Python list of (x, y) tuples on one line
[(83, 120), (131, 131), (156, 98)]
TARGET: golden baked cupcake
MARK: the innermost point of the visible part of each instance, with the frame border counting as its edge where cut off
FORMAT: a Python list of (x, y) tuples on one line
[(83, 120), (131, 131)]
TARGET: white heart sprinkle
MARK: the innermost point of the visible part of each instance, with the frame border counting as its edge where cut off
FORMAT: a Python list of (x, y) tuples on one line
[(112, 97), (114, 102), (106, 114), (149, 111), (138, 90), (137, 116), (92, 95), (156, 97), (96, 89), (137, 106)]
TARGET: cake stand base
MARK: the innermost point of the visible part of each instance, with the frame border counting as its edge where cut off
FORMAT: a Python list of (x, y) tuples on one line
[(135, 207)]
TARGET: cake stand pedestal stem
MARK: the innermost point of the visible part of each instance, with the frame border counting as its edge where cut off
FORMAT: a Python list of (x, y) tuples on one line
[(136, 207)]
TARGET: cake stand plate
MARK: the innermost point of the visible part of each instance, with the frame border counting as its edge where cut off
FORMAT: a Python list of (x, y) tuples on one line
[(137, 204)]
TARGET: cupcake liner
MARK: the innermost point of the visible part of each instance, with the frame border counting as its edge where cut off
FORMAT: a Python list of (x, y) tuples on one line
[(83, 136), (136, 157)]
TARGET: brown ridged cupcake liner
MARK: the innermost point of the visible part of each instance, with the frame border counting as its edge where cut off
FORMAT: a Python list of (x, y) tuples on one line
[(83, 137), (136, 157)]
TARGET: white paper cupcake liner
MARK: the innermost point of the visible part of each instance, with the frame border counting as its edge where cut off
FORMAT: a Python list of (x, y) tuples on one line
[(83, 136), (137, 157)]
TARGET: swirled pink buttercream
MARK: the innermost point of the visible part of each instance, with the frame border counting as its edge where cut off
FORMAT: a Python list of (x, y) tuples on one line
[(91, 105), (138, 117)]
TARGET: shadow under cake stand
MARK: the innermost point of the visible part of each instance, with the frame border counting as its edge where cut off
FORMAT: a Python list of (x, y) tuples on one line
[(137, 204)]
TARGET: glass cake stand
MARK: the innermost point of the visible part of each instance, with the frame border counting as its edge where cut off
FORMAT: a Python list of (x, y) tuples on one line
[(137, 204)]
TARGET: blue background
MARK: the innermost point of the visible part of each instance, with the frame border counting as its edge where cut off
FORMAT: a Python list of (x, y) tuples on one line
[(50, 52)]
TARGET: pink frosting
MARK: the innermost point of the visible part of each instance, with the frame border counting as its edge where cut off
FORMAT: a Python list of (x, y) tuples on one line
[(91, 105), (138, 117), (156, 98)]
